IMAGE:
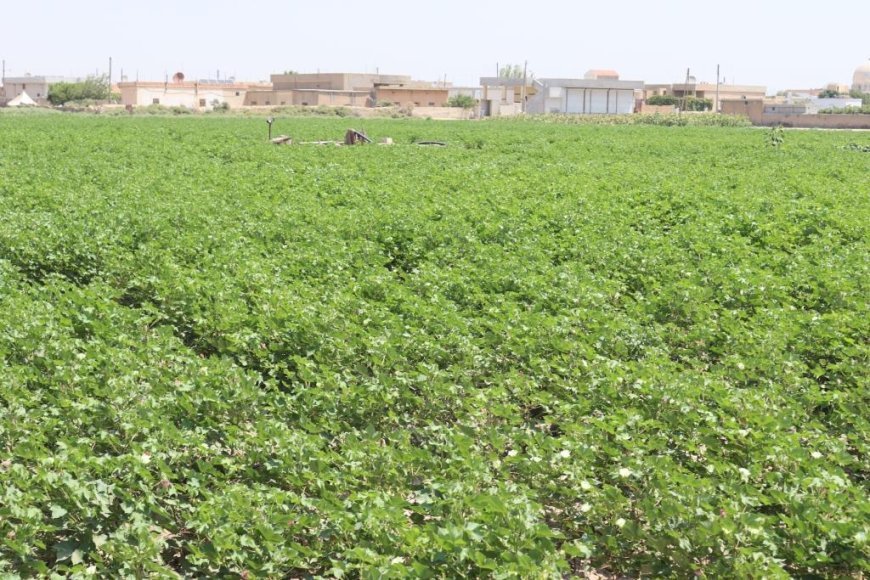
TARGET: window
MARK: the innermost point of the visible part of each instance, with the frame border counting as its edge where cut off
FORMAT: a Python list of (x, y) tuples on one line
[(431, 104), (254, 103), (416, 104), (283, 102), (238, 93), (304, 104), (202, 102), (268, 103), (155, 101)]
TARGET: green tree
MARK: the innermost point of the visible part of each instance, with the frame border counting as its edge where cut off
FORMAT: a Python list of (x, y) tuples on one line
[(662, 100), (463, 101), (856, 94), (698, 104), (828, 94), (514, 71), (92, 88)]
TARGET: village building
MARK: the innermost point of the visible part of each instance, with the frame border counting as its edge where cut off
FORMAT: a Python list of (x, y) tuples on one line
[(36, 87), (195, 95), (347, 89), (412, 96), (803, 114), (600, 92), (716, 93), (502, 96)]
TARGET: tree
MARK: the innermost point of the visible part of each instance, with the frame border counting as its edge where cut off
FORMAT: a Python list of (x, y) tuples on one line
[(463, 101), (828, 94), (514, 71), (698, 104), (856, 94), (663, 100), (92, 88)]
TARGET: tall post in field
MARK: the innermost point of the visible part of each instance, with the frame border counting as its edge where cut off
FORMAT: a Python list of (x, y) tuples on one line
[(717, 88), (523, 92)]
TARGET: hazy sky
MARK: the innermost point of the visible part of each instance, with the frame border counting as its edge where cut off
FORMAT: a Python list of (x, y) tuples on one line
[(778, 43)]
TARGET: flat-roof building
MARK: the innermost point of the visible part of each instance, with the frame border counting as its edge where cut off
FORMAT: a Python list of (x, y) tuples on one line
[(601, 93), (180, 93)]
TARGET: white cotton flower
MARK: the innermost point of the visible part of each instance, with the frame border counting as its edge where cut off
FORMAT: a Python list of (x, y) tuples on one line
[(624, 472), (816, 455), (585, 485), (564, 454), (620, 522), (512, 453), (585, 508)]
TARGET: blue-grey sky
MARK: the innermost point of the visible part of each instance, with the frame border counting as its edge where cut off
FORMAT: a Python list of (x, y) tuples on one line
[(778, 43)]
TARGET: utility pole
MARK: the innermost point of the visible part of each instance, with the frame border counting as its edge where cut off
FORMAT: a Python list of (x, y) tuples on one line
[(717, 88), (523, 92), (685, 91), (110, 74)]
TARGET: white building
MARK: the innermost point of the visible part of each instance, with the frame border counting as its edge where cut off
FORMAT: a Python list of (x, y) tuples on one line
[(36, 87), (596, 96), (501, 96)]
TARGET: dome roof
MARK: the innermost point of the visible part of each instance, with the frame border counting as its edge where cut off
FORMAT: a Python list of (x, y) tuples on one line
[(861, 78)]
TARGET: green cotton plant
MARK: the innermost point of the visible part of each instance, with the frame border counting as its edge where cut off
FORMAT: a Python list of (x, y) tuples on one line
[(775, 136), (632, 349)]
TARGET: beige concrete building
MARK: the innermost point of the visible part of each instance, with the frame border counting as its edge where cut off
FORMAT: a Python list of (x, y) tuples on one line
[(706, 91), (307, 97), (791, 115), (348, 90), (336, 81), (194, 95), (411, 96)]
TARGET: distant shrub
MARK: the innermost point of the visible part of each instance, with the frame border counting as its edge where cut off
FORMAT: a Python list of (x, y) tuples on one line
[(461, 101), (90, 89), (662, 100), (862, 110), (702, 119)]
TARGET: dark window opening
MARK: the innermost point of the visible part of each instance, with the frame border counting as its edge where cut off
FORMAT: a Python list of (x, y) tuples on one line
[(155, 101)]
